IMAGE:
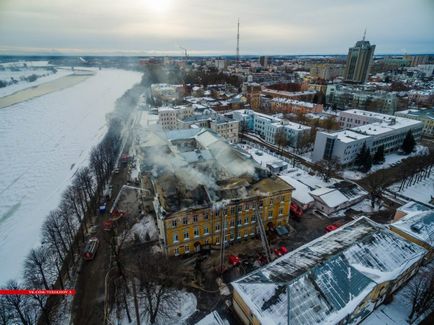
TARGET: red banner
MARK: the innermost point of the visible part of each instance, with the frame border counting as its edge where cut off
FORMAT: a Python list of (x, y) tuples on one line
[(37, 292)]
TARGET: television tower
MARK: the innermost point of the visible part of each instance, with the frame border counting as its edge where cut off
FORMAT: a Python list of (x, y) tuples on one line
[(238, 41)]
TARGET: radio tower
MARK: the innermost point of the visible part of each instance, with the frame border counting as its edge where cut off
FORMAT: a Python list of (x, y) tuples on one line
[(238, 42)]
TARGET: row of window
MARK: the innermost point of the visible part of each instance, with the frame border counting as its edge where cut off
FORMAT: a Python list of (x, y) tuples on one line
[(196, 231), (248, 207)]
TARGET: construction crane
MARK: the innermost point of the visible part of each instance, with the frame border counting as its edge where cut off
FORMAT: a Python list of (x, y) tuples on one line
[(185, 51)]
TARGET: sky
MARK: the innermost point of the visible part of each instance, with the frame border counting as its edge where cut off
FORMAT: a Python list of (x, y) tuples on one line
[(204, 27)]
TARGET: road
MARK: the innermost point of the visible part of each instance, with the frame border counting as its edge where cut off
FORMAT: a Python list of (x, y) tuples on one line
[(89, 302)]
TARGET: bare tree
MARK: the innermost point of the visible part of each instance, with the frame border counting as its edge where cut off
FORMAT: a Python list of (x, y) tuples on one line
[(281, 139), (35, 267), (421, 293), (6, 314), (328, 168), (17, 304), (375, 185), (158, 276), (304, 142)]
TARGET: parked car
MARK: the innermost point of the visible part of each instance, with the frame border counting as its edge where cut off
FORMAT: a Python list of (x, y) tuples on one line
[(333, 226)]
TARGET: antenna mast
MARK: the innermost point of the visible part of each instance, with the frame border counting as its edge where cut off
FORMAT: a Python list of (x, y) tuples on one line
[(238, 41), (364, 34)]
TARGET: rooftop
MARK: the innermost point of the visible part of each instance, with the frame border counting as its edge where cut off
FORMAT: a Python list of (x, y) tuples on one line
[(192, 168), (424, 113), (418, 224), (325, 280)]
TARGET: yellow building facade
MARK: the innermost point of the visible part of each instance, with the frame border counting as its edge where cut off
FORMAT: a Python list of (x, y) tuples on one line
[(188, 230)]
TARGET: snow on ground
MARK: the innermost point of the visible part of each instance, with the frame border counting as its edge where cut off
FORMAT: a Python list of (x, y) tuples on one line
[(422, 191), (43, 142), (182, 305), (391, 160), (362, 206), (42, 70), (144, 230), (398, 310)]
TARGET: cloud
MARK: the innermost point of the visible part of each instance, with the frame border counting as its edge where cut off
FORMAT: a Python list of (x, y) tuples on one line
[(205, 26)]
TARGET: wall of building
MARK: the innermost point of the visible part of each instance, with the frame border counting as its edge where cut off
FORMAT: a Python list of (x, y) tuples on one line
[(204, 226)]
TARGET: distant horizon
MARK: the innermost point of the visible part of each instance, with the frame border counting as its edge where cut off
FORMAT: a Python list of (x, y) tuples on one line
[(209, 28), (201, 55)]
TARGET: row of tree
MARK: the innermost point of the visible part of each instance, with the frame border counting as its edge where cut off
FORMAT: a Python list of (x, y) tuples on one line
[(364, 160), (64, 230)]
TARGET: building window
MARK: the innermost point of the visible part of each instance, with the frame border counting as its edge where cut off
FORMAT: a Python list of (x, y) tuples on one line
[(270, 214), (195, 218), (174, 223), (186, 235), (253, 219), (280, 211), (205, 231), (246, 220), (232, 223), (205, 216), (175, 238), (187, 249), (185, 220), (239, 222), (217, 227), (196, 232), (176, 251)]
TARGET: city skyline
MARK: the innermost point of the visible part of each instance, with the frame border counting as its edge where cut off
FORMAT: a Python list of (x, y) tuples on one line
[(139, 27)]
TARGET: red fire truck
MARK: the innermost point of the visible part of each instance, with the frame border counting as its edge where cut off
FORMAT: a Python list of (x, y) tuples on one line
[(90, 249)]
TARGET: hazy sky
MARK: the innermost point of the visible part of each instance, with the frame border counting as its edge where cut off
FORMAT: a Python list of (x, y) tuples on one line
[(141, 27)]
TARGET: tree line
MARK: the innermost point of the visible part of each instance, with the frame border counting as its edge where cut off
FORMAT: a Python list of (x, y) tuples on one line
[(54, 262)]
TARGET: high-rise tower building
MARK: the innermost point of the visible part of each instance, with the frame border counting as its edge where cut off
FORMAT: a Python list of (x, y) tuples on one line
[(358, 61), (263, 61)]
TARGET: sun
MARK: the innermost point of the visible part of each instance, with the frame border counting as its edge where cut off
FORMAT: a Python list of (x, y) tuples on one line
[(158, 6)]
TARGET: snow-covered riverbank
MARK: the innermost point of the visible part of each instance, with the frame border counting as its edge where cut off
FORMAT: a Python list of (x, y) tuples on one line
[(43, 141)]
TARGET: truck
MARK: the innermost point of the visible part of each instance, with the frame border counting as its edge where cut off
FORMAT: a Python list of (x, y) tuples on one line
[(90, 249)]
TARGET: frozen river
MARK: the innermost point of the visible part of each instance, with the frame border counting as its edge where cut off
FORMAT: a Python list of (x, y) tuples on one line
[(42, 143)]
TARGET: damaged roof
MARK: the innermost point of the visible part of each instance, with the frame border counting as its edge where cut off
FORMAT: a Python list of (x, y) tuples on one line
[(325, 280), (195, 167)]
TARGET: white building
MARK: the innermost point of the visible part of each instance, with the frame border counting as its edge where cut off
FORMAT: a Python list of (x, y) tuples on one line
[(168, 116), (374, 129), (267, 126), (226, 127)]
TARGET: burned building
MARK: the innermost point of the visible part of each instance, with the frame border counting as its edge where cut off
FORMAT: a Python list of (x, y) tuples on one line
[(207, 192)]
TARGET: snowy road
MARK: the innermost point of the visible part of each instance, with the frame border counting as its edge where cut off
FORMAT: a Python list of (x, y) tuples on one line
[(42, 143)]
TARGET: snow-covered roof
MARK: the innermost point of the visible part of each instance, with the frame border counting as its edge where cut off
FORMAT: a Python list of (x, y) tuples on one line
[(419, 225), (333, 198), (212, 318), (325, 280), (301, 192)]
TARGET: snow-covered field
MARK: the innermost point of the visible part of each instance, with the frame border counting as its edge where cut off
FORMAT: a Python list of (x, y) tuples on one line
[(390, 160), (43, 141), (17, 71)]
